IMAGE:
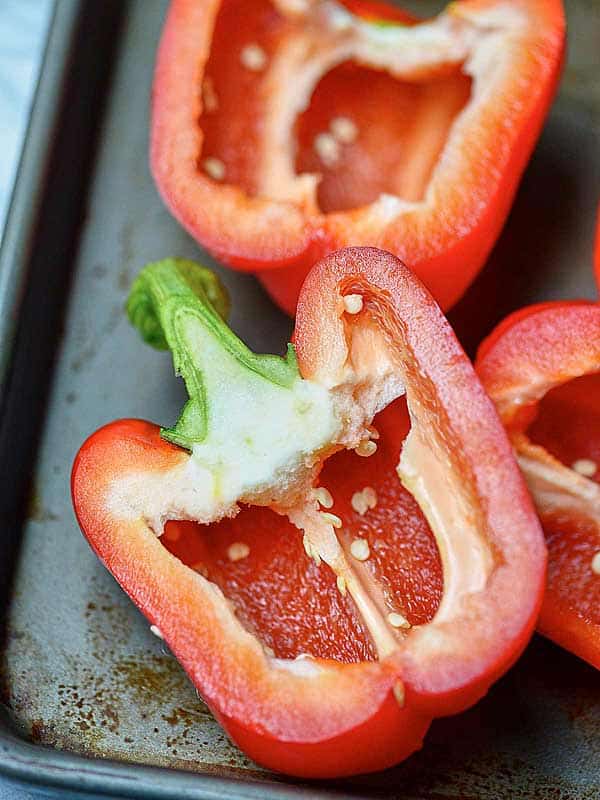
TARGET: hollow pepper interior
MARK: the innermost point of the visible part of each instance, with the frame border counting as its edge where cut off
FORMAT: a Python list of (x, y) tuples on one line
[(294, 606), (567, 425)]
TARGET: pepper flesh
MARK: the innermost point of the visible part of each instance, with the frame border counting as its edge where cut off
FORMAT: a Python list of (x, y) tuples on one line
[(541, 367), (352, 706), (443, 116)]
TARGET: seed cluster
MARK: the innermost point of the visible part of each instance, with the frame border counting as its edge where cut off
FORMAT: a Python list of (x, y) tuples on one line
[(342, 130), (364, 500)]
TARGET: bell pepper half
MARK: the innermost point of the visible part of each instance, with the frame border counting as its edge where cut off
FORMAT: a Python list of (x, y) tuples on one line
[(337, 545), (317, 124), (541, 367)]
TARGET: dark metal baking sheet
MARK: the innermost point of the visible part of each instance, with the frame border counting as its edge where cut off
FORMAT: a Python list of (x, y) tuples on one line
[(92, 700)]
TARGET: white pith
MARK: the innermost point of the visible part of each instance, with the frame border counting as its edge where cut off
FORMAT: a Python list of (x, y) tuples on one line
[(369, 377), (425, 470), (555, 487), (327, 35)]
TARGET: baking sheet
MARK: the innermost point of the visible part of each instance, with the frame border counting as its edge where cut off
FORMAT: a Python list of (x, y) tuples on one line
[(81, 671)]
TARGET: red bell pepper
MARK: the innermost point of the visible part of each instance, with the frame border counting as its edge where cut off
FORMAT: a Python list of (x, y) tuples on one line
[(541, 366), (315, 125), (324, 641)]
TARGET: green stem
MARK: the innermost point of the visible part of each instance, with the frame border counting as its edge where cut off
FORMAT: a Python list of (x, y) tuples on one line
[(179, 305)]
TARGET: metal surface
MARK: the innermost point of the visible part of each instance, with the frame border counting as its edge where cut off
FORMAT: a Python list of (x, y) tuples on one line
[(81, 672)]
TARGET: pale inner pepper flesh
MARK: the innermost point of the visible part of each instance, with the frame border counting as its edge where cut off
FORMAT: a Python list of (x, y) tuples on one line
[(559, 454)]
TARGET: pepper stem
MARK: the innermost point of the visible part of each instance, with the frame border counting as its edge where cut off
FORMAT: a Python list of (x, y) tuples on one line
[(178, 305)]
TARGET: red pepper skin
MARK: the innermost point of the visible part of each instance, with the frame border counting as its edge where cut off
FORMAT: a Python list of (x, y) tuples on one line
[(531, 354), (348, 719), (445, 241)]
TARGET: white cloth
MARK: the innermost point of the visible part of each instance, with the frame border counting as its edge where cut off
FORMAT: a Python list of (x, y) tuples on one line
[(23, 28)]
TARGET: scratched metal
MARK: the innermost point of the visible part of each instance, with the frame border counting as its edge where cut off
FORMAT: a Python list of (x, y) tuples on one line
[(81, 671)]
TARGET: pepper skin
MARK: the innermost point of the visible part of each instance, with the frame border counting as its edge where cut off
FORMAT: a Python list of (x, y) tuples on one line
[(346, 125), (324, 644), (541, 367)]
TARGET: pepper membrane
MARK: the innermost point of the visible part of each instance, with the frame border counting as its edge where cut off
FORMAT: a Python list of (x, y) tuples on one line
[(353, 555)]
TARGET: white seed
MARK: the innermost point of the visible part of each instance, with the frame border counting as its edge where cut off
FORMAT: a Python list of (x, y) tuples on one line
[(360, 549), (156, 631), (596, 563), (396, 620), (332, 519), (237, 551), (344, 129), (341, 585), (585, 467), (362, 501), (214, 168), (327, 148), (304, 656), (209, 95), (398, 691), (370, 496), (373, 432), (358, 503), (253, 57), (366, 448), (323, 497), (353, 303)]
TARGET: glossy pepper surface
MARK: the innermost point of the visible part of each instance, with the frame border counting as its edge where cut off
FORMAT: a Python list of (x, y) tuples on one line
[(541, 366), (317, 124), (368, 557)]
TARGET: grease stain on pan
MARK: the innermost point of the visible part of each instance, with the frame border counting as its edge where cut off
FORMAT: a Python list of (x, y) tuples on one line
[(138, 706)]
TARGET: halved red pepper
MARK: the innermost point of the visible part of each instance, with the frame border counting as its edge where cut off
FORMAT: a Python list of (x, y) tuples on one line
[(541, 366), (324, 641), (315, 124)]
